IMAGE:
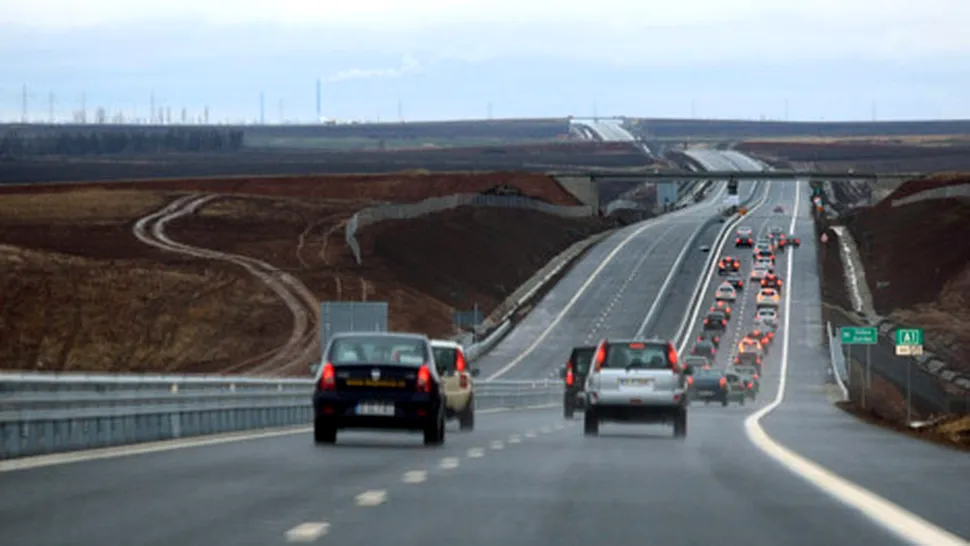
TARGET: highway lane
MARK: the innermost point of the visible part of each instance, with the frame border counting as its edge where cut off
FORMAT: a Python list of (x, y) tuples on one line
[(540, 343), (245, 492), (923, 478), (631, 485)]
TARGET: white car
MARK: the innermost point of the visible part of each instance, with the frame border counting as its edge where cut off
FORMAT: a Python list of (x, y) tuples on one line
[(765, 264), (766, 317), (759, 272), (726, 292)]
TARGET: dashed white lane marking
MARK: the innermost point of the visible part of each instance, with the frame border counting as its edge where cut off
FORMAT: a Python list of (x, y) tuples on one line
[(496, 445), (414, 476), (476, 453), (372, 498), (307, 532), (515, 439), (560, 426), (545, 430), (530, 434), (449, 463)]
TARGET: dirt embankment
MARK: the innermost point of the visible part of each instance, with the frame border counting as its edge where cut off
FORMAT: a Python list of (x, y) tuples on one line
[(82, 293), (917, 262)]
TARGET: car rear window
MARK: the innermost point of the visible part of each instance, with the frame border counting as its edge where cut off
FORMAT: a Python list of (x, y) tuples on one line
[(644, 356), (709, 372), (445, 358), (371, 349), (581, 359)]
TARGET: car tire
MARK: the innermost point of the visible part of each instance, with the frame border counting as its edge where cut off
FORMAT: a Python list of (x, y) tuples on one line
[(466, 419), (434, 433), (742, 400), (324, 433), (568, 410), (724, 402), (680, 423), (591, 423)]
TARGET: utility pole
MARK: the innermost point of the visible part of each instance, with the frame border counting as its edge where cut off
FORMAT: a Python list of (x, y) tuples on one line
[(205, 115), (262, 108), (185, 116), (319, 102)]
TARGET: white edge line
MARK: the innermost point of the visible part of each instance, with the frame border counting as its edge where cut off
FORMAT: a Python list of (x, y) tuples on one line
[(54, 459), (903, 523)]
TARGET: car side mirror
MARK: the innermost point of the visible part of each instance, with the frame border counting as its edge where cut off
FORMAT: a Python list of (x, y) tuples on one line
[(476, 372), (314, 369)]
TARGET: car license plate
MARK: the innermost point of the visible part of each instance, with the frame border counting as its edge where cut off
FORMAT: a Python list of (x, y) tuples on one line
[(375, 408), (705, 394), (636, 383)]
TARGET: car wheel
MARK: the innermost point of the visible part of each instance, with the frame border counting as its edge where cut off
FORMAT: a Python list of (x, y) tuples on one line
[(434, 433), (568, 410), (324, 433), (466, 420), (680, 424), (591, 423), (724, 402), (742, 400)]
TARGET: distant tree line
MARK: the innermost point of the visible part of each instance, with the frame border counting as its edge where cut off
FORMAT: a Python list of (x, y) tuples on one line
[(127, 141)]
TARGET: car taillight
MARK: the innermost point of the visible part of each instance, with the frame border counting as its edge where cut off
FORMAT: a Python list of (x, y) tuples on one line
[(600, 356), (738, 241), (712, 350), (423, 383), (672, 357), (723, 322), (460, 361), (570, 378), (722, 382), (328, 379), (755, 377), (707, 321), (690, 380)]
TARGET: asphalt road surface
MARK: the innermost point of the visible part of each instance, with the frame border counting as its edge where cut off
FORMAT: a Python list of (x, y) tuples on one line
[(527, 477)]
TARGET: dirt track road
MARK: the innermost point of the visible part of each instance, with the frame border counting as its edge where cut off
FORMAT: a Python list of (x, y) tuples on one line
[(303, 344)]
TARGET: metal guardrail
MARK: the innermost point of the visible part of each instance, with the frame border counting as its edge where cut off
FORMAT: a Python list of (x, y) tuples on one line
[(52, 413)]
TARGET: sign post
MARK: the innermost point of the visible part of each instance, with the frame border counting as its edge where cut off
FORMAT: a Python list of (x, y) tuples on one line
[(909, 342), (860, 336)]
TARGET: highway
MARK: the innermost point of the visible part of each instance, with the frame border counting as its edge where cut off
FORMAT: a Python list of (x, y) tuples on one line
[(530, 477)]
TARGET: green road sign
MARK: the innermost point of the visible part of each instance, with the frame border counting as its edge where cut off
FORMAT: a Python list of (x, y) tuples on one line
[(909, 336), (858, 336)]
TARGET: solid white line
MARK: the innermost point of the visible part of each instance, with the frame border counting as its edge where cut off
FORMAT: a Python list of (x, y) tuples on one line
[(904, 524), (54, 459), (307, 532), (373, 497), (414, 476)]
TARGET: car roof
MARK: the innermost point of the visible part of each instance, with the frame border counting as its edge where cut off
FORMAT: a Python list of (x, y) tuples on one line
[(716, 312), (652, 341), (704, 341), (445, 344), (390, 335), (764, 311)]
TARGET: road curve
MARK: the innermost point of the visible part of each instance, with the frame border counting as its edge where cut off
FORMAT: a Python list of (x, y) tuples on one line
[(300, 348)]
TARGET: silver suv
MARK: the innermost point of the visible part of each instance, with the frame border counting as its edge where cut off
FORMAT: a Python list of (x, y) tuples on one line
[(636, 381)]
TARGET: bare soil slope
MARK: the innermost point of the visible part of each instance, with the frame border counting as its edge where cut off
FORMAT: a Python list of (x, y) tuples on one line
[(82, 293)]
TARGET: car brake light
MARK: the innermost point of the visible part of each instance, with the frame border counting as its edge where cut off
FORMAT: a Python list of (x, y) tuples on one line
[(570, 378), (672, 357), (423, 383), (460, 361), (755, 377), (328, 379), (723, 322), (690, 380), (739, 240), (723, 382), (600, 355)]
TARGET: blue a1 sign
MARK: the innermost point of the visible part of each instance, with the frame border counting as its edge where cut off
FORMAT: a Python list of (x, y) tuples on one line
[(909, 341)]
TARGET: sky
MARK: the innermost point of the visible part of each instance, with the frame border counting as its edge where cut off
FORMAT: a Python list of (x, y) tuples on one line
[(437, 59)]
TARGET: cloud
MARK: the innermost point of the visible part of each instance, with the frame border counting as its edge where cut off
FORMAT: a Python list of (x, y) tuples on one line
[(409, 65)]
